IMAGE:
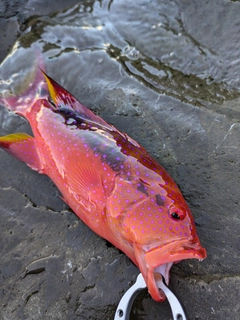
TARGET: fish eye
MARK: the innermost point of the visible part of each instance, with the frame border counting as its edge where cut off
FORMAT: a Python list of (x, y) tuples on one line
[(177, 213), (175, 216)]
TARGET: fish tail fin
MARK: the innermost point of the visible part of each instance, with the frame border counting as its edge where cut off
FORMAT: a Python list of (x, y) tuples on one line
[(34, 88), (23, 147)]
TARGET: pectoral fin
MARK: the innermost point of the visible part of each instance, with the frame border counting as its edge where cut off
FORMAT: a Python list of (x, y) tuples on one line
[(23, 147)]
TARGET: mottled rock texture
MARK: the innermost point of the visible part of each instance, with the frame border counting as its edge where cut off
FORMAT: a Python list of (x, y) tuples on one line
[(167, 73)]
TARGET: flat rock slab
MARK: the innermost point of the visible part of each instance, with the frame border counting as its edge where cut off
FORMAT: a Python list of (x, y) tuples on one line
[(168, 74)]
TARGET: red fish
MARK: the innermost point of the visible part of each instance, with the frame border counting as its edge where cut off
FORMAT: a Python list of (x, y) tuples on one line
[(108, 180)]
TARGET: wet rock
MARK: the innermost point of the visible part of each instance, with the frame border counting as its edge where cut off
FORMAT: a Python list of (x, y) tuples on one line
[(14, 16), (171, 81)]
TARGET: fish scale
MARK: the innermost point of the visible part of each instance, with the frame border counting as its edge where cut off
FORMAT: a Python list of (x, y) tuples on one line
[(108, 180)]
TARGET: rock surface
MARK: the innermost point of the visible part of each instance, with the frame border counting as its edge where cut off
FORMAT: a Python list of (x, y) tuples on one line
[(168, 74)]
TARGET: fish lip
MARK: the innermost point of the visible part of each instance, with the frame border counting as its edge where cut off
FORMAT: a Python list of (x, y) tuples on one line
[(174, 252), (160, 259)]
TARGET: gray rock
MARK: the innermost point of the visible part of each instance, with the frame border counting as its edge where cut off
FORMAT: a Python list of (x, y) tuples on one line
[(167, 73)]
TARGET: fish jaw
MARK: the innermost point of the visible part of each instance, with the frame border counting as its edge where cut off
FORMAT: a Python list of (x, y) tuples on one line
[(160, 259)]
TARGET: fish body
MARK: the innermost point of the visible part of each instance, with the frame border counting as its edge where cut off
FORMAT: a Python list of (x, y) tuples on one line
[(108, 179)]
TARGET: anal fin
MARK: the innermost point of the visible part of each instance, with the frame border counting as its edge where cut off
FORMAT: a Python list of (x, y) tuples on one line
[(23, 147)]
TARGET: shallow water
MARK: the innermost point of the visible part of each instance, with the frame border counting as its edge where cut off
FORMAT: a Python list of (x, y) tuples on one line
[(167, 73), (157, 50)]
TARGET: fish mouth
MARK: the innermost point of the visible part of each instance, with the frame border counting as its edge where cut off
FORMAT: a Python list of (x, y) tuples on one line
[(160, 259)]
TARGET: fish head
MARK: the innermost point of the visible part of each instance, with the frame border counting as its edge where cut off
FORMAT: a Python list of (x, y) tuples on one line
[(164, 233)]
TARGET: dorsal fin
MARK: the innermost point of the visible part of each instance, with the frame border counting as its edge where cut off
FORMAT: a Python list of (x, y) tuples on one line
[(62, 98)]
